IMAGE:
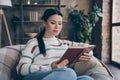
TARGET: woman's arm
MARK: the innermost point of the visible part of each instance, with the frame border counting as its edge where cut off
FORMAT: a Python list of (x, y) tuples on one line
[(25, 65), (72, 43)]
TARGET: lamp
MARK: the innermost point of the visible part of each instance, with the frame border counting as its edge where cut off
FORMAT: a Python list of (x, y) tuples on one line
[(4, 4)]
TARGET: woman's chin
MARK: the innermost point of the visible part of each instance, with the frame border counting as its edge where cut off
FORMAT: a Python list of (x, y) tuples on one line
[(56, 34)]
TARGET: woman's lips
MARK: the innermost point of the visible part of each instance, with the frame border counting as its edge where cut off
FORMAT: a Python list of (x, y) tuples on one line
[(56, 31)]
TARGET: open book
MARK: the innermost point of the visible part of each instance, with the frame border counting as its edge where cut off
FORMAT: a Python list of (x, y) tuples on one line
[(74, 52)]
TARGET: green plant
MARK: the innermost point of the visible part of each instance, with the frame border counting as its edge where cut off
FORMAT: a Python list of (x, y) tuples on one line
[(84, 23)]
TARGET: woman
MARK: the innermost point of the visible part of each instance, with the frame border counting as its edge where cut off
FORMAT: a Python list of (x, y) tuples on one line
[(41, 54)]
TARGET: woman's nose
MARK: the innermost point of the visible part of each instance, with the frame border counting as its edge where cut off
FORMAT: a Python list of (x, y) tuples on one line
[(57, 26)]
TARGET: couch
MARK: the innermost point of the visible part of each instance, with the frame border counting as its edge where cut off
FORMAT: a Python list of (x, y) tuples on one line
[(9, 57)]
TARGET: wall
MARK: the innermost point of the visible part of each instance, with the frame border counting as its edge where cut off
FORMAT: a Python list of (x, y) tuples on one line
[(106, 31), (102, 32)]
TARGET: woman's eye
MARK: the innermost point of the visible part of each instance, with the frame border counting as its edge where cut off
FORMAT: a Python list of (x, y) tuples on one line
[(52, 22), (60, 23)]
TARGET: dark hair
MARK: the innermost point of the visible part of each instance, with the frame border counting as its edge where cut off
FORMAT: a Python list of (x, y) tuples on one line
[(48, 13)]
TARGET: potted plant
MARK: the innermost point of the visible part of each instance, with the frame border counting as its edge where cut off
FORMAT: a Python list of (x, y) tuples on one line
[(83, 23)]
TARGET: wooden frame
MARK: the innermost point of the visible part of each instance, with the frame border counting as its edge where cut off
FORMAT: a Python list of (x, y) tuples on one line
[(6, 26)]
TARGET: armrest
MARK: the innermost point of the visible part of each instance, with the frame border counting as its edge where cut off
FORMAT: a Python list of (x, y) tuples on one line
[(8, 58)]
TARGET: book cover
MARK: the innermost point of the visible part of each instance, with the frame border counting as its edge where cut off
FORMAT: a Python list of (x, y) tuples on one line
[(74, 52)]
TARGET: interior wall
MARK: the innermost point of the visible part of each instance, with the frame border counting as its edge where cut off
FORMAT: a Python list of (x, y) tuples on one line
[(106, 31)]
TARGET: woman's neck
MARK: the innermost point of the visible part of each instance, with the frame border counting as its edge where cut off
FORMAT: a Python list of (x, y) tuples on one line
[(46, 35)]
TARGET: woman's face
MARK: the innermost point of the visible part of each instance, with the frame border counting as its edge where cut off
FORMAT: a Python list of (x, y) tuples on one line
[(53, 26)]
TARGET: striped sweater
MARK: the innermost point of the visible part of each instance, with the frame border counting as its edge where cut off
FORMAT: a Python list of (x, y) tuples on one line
[(31, 60)]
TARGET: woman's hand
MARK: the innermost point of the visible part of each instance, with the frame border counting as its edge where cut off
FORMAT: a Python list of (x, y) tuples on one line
[(85, 57), (62, 64)]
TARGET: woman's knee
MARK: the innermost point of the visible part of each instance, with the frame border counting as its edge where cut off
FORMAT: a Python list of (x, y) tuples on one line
[(68, 72)]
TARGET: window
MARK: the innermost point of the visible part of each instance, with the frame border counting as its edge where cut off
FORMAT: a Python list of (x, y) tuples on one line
[(115, 32)]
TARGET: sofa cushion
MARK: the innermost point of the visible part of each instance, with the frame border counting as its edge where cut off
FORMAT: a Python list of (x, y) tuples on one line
[(8, 60)]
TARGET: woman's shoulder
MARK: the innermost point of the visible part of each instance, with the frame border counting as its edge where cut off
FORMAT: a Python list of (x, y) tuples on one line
[(30, 46), (32, 41), (64, 41)]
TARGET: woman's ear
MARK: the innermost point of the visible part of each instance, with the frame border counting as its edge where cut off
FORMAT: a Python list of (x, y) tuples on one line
[(44, 23)]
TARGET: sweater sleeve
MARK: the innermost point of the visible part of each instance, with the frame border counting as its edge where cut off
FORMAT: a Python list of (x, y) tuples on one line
[(25, 65), (72, 43)]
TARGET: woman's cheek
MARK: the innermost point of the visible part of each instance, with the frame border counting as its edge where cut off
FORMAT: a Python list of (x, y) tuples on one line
[(60, 28)]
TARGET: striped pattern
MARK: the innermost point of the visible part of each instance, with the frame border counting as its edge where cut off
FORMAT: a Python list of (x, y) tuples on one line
[(20, 67), (32, 56), (24, 56), (47, 49), (33, 49)]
